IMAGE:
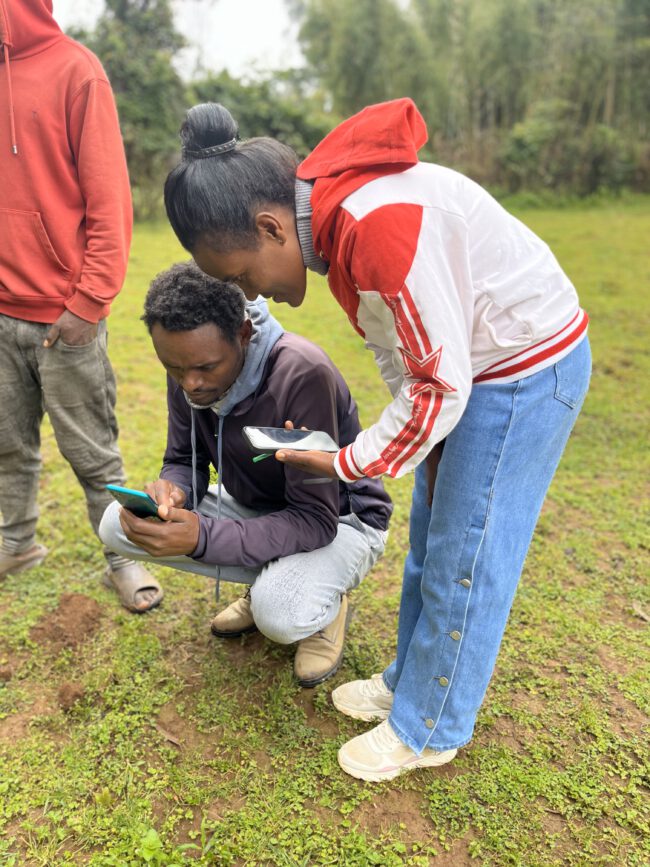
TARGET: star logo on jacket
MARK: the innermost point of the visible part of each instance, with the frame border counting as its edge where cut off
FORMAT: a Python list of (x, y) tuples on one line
[(425, 371)]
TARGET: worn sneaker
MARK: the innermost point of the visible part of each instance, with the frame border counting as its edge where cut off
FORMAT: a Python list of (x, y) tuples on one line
[(364, 699), (235, 620), (319, 656), (380, 755), (11, 564)]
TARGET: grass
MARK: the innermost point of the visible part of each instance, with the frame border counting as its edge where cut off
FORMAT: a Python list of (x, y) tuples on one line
[(178, 749)]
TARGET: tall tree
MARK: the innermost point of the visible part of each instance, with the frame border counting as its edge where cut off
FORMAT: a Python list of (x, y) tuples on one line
[(136, 40), (362, 52)]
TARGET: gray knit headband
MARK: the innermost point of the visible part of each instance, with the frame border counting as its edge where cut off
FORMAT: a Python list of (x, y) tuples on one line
[(215, 150)]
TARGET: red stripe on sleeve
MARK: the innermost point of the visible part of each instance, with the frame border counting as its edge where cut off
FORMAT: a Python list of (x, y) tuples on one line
[(408, 323), (350, 454), (424, 436), (400, 443), (376, 468), (348, 468)]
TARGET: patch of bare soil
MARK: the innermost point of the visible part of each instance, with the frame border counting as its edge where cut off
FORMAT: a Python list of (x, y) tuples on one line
[(506, 733), (74, 620), (180, 732), (70, 692), (457, 856), (400, 814), (324, 724), (385, 815), (16, 725)]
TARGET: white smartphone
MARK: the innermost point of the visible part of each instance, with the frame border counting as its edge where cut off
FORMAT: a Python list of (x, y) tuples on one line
[(270, 439)]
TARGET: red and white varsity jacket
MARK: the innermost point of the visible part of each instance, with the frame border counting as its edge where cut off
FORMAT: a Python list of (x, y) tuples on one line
[(446, 287)]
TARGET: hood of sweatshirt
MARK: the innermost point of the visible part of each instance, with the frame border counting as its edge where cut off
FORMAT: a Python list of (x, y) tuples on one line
[(381, 139), (28, 29)]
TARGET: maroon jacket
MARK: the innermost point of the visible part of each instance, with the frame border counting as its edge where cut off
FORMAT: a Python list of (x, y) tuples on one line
[(301, 384)]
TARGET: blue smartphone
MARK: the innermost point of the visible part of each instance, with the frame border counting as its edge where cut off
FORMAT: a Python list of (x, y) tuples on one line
[(141, 504)]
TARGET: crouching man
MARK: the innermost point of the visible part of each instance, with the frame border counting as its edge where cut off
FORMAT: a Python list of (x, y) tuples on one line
[(300, 546)]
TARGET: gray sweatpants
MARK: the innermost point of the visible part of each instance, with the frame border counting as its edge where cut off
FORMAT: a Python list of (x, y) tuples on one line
[(76, 387), (291, 597)]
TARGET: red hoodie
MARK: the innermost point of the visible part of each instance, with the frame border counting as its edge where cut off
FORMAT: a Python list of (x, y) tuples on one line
[(65, 201)]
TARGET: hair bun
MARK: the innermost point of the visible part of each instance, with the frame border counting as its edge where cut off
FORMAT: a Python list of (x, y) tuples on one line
[(207, 125)]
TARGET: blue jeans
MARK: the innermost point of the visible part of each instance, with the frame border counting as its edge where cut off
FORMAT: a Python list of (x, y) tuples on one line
[(467, 551)]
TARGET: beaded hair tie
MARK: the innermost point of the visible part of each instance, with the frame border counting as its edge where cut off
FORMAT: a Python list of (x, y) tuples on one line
[(213, 151)]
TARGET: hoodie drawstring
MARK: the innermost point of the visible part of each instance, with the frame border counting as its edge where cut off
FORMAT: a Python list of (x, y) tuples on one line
[(219, 441), (194, 501), (12, 119)]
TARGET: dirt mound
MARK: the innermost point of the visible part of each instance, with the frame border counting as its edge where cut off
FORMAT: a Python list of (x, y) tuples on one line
[(69, 694), (75, 619)]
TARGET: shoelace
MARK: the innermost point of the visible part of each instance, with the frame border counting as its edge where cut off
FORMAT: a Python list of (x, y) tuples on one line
[(383, 739), (374, 687)]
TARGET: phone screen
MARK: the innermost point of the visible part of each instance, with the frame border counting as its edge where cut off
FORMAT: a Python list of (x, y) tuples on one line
[(270, 439), (141, 504)]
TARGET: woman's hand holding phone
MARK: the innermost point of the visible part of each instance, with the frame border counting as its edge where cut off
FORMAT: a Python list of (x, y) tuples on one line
[(317, 463)]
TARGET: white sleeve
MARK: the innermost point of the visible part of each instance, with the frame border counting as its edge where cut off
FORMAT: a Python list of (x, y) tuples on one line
[(411, 309), (392, 375)]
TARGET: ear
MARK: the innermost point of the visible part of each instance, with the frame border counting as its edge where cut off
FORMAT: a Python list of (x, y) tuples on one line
[(245, 333), (273, 225)]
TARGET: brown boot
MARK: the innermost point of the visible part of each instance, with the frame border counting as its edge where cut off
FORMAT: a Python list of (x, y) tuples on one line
[(235, 620), (319, 656)]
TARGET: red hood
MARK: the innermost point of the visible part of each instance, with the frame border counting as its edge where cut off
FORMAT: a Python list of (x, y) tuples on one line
[(27, 26), (379, 140)]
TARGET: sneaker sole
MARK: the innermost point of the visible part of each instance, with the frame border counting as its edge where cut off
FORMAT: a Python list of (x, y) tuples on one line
[(383, 776), (355, 713)]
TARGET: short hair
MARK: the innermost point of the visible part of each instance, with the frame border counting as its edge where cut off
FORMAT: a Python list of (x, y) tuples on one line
[(216, 197), (184, 298)]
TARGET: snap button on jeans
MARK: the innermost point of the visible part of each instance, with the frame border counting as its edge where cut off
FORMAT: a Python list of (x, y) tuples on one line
[(428, 723), (455, 635), (465, 582), (443, 681)]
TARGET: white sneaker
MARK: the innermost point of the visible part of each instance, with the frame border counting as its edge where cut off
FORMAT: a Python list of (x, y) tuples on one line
[(364, 699), (380, 755)]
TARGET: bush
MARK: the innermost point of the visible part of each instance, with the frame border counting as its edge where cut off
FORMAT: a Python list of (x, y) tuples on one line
[(550, 150)]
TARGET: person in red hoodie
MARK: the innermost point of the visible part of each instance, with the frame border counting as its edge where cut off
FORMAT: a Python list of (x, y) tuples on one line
[(480, 338), (65, 230)]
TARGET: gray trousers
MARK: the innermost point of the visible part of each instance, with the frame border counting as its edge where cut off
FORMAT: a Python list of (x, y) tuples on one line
[(76, 387), (291, 597)]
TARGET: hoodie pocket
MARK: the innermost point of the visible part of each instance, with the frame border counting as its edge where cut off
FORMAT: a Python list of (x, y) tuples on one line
[(29, 265)]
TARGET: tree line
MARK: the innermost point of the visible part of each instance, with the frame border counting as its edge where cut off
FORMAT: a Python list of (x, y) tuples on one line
[(519, 94)]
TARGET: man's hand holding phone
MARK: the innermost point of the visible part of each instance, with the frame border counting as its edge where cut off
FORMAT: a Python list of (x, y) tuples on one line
[(178, 531), (166, 494)]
